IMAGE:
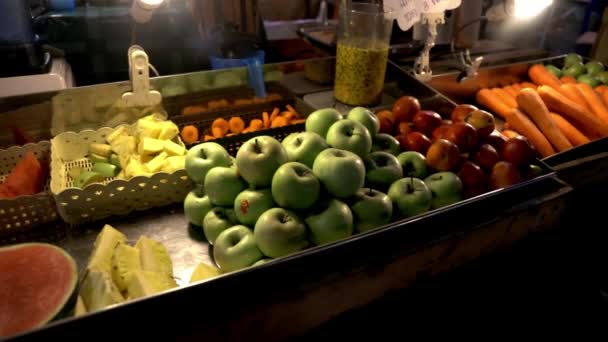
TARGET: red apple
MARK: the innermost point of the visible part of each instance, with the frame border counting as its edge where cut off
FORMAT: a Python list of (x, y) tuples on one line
[(495, 139), (486, 156), (405, 108), (518, 151), (443, 155), (387, 121), (463, 135), (472, 191), (461, 111), (440, 132), (404, 128), (482, 121), (416, 141), (402, 142), (426, 121), (471, 174), (447, 122), (504, 174)]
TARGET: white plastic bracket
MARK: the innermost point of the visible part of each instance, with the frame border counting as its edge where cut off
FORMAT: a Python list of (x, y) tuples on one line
[(422, 65), (139, 74)]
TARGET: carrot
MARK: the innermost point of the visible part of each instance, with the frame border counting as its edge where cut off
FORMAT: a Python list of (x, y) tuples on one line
[(528, 85), (574, 94), (488, 99), (533, 105), (511, 91), (505, 97), (216, 104), (506, 126), (572, 134), (604, 97), (208, 137), (541, 76), (256, 125), (266, 120), (275, 112), (568, 79), (242, 102), (237, 125), (298, 121), (279, 121), (600, 89), (247, 130), (510, 133), (517, 87), (594, 101), (190, 134), (290, 109), (193, 110), (220, 126), (586, 122), (522, 124)]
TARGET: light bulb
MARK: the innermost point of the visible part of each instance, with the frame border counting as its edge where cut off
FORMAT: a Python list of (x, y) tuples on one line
[(526, 9)]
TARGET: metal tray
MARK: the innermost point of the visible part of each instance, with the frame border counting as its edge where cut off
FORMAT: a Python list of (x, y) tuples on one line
[(292, 294)]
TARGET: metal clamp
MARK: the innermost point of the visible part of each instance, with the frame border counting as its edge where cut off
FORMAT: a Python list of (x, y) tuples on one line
[(422, 65), (139, 74)]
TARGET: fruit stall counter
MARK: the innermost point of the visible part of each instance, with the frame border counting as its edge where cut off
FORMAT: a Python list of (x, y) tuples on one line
[(164, 266)]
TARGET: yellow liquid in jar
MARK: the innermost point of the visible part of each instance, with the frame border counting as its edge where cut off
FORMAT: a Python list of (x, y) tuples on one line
[(360, 72)]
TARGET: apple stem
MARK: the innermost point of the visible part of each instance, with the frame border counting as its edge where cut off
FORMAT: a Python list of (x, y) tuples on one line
[(257, 146), (410, 187), (370, 191)]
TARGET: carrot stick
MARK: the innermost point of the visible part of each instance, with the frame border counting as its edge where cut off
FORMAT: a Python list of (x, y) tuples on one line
[(505, 97), (511, 91), (528, 85), (600, 89), (573, 93), (594, 101), (572, 134), (568, 79), (604, 97), (586, 122), (541, 76), (488, 99), (510, 133), (525, 126), (517, 87), (533, 105), (237, 125)]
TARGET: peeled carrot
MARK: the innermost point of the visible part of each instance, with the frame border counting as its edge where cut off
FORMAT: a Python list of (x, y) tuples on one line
[(576, 114), (189, 134), (256, 125), (193, 110), (600, 89), (505, 97), (237, 125), (517, 87), (511, 91), (528, 85), (208, 137), (541, 76), (572, 134), (568, 79), (604, 97), (279, 121), (266, 120), (275, 112), (291, 109), (220, 126), (533, 105), (510, 133), (573, 93), (594, 101), (488, 99), (525, 126)]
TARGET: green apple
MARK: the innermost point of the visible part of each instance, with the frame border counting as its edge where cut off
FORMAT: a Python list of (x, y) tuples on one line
[(371, 209), (250, 204), (223, 184), (594, 67), (216, 221), (341, 172), (330, 221), (574, 70), (304, 147), (294, 186), (351, 136), (381, 170), (236, 248), (386, 143), (203, 157), (445, 187), (554, 70), (602, 77), (196, 206), (320, 120), (411, 196), (258, 158), (589, 79), (413, 164), (365, 117), (280, 232), (262, 261), (572, 58)]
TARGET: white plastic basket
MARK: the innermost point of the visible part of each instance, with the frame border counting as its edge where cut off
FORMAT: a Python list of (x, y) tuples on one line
[(113, 196), (23, 212)]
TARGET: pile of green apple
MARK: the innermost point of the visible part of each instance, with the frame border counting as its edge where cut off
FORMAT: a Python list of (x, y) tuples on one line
[(316, 187), (592, 72)]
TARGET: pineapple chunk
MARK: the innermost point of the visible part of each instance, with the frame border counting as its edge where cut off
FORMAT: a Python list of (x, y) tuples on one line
[(174, 163), (155, 164), (149, 146), (124, 146), (145, 283), (117, 133), (154, 256), (174, 149), (204, 271), (168, 131), (105, 243), (147, 129), (98, 291), (135, 168)]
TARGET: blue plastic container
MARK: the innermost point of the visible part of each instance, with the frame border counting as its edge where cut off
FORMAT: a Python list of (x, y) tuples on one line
[(62, 5), (254, 65)]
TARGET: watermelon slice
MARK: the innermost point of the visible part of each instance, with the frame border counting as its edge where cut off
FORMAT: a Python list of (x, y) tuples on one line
[(26, 178), (38, 283)]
